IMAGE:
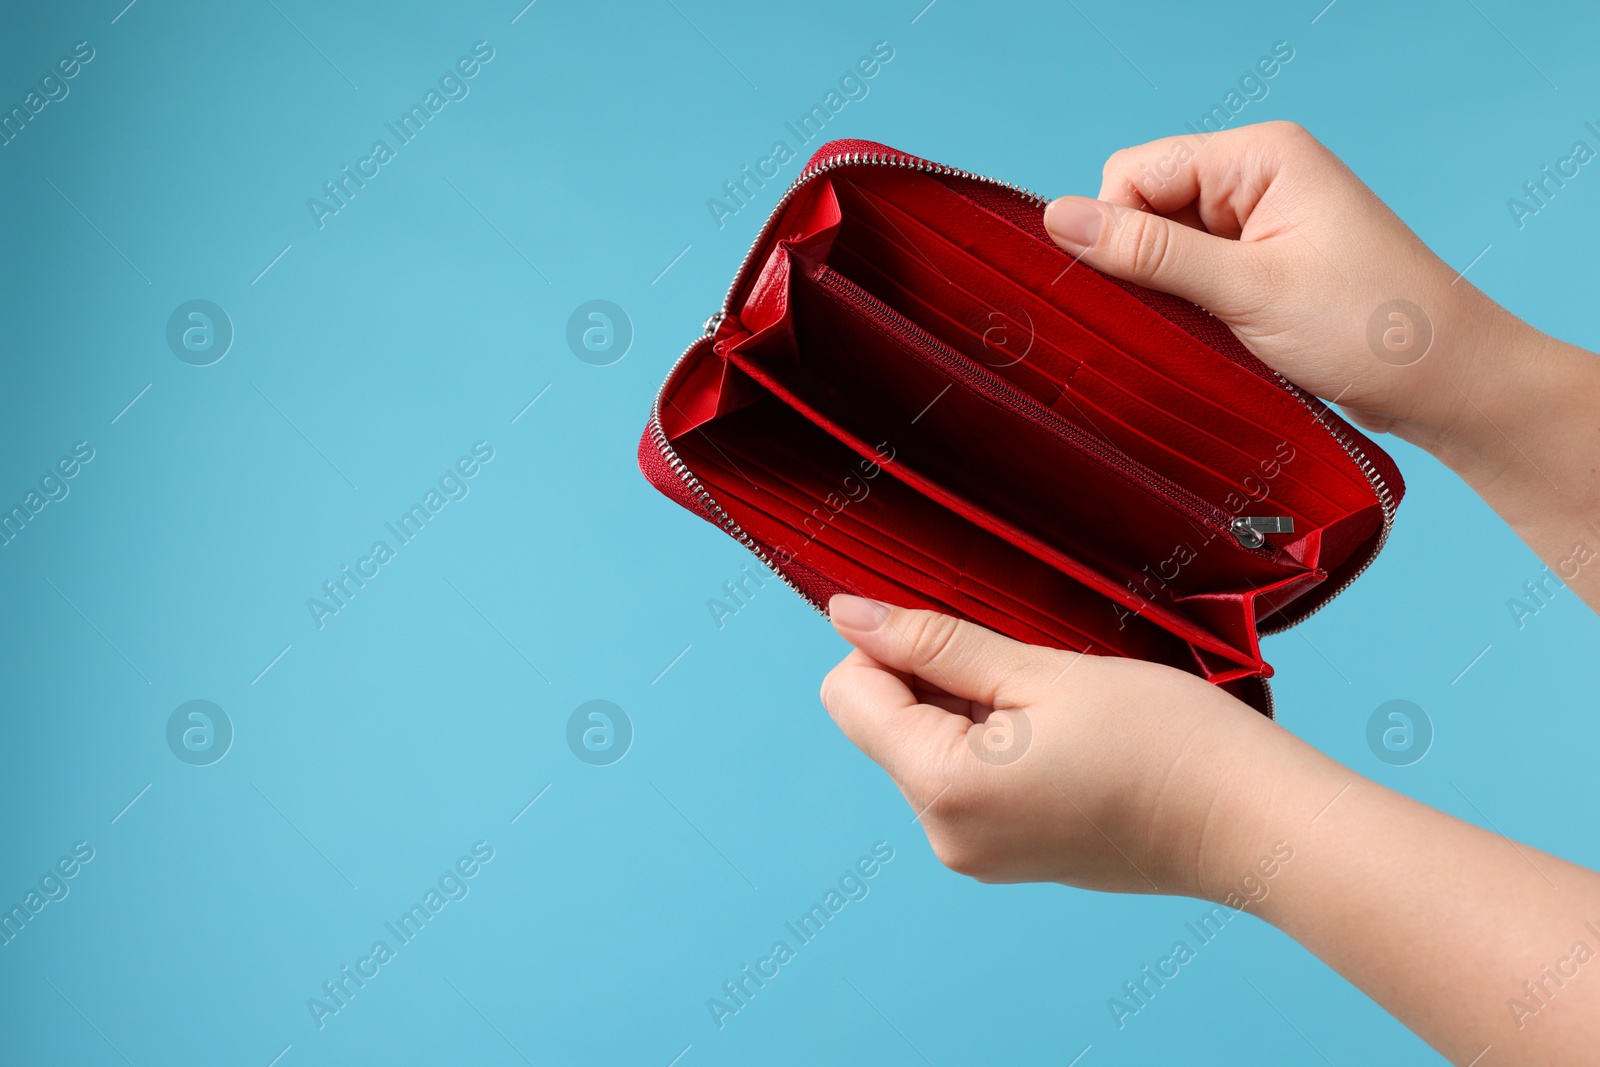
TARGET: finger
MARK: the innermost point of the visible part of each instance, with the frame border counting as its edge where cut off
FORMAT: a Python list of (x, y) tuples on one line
[(1189, 215), (928, 693), (877, 711), (961, 658), (1153, 251), (1222, 176)]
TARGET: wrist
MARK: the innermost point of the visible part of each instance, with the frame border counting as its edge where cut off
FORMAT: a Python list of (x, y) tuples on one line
[(1489, 382), (1269, 790)]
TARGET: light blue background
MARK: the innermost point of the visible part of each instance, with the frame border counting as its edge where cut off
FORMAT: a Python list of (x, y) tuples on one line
[(423, 318)]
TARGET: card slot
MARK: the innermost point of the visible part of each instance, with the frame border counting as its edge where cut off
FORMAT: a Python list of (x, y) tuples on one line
[(1073, 528), (932, 196), (893, 556), (1085, 575), (1088, 619), (930, 299), (1172, 450), (810, 497), (1179, 443), (953, 573), (1040, 372), (1061, 392), (962, 260), (874, 212)]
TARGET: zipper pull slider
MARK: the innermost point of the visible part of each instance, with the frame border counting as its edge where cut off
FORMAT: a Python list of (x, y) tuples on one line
[(713, 322), (1252, 530)]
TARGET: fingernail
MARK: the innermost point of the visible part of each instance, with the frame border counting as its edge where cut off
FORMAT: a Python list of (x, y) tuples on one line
[(856, 613), (1074, 219)]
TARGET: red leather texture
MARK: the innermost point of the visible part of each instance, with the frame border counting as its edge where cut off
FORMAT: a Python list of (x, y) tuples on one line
[(913, 395)]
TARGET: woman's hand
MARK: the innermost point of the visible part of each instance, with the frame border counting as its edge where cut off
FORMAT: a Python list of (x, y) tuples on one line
[(1032, 764), (1269, 231), (1027, 764)]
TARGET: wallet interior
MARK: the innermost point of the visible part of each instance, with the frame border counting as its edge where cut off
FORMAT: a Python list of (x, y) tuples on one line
[(917, 399)]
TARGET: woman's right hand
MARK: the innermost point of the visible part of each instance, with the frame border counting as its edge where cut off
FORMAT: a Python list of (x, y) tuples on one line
[(1269, 231)]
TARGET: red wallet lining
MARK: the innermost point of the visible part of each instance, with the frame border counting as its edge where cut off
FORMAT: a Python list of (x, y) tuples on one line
[(905, 218), (789, 388), (758, 508), (770, 358), (930, 190), (1172, 453), (1087, 386), (897, 556)]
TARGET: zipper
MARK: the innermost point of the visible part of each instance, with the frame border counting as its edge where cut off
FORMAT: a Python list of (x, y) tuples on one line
[(1251, 530), (1271, 700), (1164, 490), (1369, 470), (888, 159)]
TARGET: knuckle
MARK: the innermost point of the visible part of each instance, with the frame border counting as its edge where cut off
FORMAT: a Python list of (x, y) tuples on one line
[(1115, 172), (963, 856), (1294, 135), (829, 690), (1116, 162), (954, 853), (960, 829), (935, 638), (1146, 245)]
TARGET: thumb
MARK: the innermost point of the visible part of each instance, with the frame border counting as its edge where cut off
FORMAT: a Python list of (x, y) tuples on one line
[(961, 658), (1147, 249)]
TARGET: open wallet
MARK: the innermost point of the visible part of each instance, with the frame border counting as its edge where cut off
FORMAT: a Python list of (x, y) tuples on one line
[(912, 394)]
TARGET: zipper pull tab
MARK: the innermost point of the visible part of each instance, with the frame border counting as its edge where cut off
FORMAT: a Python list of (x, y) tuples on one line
[(1252, 530)]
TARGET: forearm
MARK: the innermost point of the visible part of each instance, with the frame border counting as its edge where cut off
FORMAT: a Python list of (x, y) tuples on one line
[(1441, 922), (1521, 418)]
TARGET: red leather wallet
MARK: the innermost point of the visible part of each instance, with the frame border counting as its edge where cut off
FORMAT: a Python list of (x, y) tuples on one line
[(912, 394)]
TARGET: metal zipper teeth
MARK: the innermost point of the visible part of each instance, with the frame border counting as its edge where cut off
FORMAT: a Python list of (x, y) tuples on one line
[(1380, 489), (1192, 505), (1272, 701)]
